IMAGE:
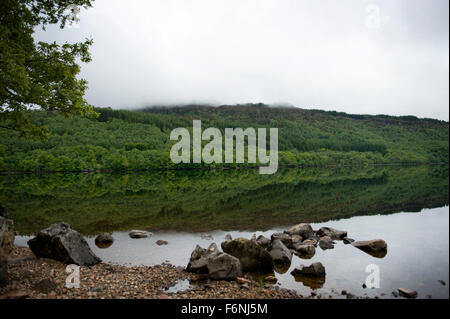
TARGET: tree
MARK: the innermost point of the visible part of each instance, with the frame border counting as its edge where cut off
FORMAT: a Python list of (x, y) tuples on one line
[(39, 75)]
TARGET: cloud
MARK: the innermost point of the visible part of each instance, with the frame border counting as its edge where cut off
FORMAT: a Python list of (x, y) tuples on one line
[(313, 54)]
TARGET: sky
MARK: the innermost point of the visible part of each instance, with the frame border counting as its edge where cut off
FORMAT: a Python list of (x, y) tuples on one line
[(355, 56)]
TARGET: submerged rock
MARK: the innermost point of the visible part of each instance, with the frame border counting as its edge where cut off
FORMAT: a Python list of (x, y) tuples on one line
[(347, 240), (139, 233), (228, 237), (314, 270), (207, 236), (304, 230), (326, 242), (407, 293), (62, 243), (6, 245), (280, 253), (332, 233), (371, 245), (305, 250), (161, 242), (252, 256), (104, 240)]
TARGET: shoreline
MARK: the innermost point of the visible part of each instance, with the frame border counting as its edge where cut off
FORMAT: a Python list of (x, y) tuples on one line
[(42, 278), (222, 168)]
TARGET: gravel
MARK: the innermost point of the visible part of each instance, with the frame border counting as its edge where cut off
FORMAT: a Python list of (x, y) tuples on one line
[(43, 278)]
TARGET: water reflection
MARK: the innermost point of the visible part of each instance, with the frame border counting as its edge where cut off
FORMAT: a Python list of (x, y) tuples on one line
[(205, 201), (311, 282)]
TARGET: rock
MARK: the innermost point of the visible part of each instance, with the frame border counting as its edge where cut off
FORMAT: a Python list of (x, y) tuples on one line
[(218, 266), (442, 282), (6, 245), (264, 242), (62, 243), (45, 286), (241, 281), (228, 237), (364, 286), (252, 256), (343, 292), (326, 242), (3, 212), (310, 241), (407, 293), (271, 280), (15, 294), (374, 245), (305, 250), (304, 230), (223, 266), (161, 242), (280, 253), (253, 237), (207, 236), (347, 240), (395, 294), (104, 240), (284, 238), (139, 234), (332, 233), (199, 259), (314, 270), (296, 239)]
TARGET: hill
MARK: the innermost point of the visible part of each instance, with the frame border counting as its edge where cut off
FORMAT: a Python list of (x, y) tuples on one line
[(139, 140)]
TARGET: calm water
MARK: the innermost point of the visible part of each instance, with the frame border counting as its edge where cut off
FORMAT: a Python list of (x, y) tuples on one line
[(406, 206)]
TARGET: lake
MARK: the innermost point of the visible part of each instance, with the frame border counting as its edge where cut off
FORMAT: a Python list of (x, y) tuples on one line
[(405, 206)]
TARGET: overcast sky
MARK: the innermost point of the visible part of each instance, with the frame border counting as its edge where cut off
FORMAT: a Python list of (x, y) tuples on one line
[(355, 56)]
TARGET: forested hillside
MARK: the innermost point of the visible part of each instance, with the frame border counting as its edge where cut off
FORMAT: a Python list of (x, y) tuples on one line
[(125, 140)]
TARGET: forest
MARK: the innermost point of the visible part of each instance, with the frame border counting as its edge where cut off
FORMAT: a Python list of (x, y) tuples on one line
[(121, 140)]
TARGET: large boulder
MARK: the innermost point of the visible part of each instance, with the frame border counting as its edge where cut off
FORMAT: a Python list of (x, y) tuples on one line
[(284, 238), (332, 233), (374, 245), (62, 243), (264, 241), (224, 267), (198, 263), (281, 255), (218, 265), (314, 270), (6, 245), (304, 230), (252, 256)]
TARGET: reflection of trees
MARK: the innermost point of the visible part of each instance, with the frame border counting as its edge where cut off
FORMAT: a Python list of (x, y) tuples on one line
[(201, 201)]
